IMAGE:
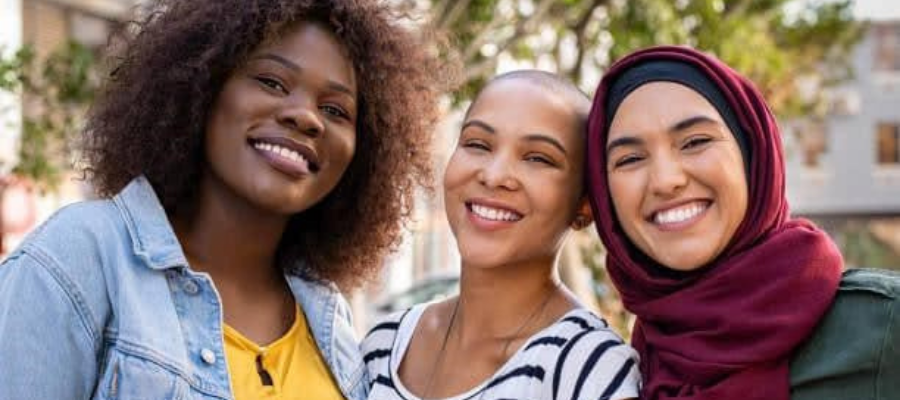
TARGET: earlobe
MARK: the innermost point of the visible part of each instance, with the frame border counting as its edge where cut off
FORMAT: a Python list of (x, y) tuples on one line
[(584, 217)]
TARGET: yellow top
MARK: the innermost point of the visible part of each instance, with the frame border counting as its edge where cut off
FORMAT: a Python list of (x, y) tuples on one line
[(289, 368)]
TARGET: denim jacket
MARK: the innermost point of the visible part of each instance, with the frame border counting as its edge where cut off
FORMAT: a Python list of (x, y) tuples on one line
[(99, 303)]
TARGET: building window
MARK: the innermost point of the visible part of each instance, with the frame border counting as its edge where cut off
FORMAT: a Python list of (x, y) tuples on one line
[(812, 142), (887, 48), (889, 144)]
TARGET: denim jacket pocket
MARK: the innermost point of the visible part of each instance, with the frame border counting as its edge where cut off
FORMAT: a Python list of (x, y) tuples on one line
[(130, 377)]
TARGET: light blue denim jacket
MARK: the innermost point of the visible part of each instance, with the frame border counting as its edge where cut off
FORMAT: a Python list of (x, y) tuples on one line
[(98, 303)]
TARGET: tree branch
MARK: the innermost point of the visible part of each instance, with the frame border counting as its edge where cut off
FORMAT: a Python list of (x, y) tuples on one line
[(454, 13), (523, 28), (580, 39)]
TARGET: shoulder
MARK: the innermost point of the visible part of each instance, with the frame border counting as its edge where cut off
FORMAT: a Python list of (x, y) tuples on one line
[(79, 224), (592, 360), (75, 243), (381, 336), (580, 326), (854, 345), (75, 239), (386, 326), (66, 255), (877, 282)]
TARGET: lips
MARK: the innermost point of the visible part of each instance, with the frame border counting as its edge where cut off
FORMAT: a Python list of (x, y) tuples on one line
[(286, 155)]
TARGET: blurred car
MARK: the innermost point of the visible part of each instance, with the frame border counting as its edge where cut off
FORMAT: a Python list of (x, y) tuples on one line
[(430, 289)]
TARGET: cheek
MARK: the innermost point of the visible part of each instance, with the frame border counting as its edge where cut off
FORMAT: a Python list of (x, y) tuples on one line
[(737, 197), (455, 171), (342, 146), (625, 195), (349, 148), (562, 202)]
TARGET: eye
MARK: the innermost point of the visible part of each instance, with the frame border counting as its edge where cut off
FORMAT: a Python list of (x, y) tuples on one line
[(476, 145), (272, 83), (695, 142), (538, 158), (627, 160), (335, 111)]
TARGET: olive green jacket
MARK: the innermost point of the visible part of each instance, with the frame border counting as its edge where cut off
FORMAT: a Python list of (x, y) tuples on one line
[(855, 352)]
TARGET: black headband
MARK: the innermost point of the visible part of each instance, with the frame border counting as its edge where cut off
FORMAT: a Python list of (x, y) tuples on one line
[(685, 74)]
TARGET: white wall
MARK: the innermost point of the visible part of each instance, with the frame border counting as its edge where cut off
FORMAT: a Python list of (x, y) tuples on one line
[(10, 104)]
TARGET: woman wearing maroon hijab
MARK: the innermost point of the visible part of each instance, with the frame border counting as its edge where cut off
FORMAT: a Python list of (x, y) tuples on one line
[(734, 298)]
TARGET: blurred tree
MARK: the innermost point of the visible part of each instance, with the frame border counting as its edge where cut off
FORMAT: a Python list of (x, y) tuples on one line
[(56, 91), (791, 48)]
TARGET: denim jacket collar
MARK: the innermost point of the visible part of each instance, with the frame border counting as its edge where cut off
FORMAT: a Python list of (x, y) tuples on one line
[(148, 225)]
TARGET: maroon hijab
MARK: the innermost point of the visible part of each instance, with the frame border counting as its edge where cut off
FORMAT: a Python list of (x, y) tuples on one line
[(728, 330)]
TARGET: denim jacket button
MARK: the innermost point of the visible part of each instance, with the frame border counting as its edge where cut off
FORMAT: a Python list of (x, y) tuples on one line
[(191, 288), (208, 356)]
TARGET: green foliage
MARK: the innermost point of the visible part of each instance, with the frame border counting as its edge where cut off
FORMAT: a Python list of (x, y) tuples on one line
[(774, 42), (56, 91), (770, 42)]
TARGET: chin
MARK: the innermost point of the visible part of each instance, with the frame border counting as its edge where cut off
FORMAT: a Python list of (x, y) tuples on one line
[(684, 264), (481, 259)]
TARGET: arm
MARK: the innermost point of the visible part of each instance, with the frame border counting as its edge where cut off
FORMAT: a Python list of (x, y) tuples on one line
[(48, 340)]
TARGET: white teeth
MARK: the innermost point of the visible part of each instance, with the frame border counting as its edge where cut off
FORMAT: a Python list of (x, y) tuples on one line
[(279, 150), (679, 215), (494, 214)]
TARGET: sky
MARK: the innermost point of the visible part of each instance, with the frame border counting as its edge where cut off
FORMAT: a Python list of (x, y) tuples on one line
[(878, 9)]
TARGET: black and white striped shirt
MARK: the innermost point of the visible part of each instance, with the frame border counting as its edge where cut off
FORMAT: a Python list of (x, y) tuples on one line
[(577, 357)]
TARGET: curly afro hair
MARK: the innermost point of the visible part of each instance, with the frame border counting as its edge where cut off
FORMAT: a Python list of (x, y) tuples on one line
[(150, 118)]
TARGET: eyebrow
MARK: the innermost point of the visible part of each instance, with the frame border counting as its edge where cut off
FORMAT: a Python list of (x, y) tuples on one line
[(480, 124), (540, 137), (534, 137), (333, 85), (680, 126), (692, 121)]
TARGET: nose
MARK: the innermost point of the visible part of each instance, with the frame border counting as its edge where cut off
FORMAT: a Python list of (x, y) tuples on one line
[(498, 173), (301, 113), (667, 175)]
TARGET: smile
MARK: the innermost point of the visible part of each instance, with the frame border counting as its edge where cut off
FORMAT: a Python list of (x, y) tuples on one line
[(281, 151), (493, 214), (681, 214), (287, 156)]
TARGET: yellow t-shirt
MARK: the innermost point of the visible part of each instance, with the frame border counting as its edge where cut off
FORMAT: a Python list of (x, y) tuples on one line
[(288, 368)]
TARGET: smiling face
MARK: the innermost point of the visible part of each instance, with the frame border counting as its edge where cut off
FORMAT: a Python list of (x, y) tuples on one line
[(283, 129), (676, 175), (514, 183)]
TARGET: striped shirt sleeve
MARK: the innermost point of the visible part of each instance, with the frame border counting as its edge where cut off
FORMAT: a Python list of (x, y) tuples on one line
[(596, 365)]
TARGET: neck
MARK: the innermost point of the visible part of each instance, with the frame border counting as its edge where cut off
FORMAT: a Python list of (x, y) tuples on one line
[(230, 239), (495, 302)]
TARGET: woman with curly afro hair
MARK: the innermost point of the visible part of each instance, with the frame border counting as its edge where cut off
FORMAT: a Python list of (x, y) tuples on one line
[(253, 157)]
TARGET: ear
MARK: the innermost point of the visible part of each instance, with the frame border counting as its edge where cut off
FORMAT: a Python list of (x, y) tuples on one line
[(584, 216)]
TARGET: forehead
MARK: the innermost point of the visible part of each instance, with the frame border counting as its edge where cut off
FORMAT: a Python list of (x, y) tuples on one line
[(312, 46), (656, 106), (518, 106)]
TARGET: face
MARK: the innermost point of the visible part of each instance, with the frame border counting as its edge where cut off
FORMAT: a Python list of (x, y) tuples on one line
[(676, 175), (283, 129), (513, 185)]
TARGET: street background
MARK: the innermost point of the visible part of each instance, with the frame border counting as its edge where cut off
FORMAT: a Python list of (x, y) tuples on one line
[(830, 70)]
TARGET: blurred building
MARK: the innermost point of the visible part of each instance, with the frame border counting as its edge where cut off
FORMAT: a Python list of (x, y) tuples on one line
[(844, 169), (45, 26)]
